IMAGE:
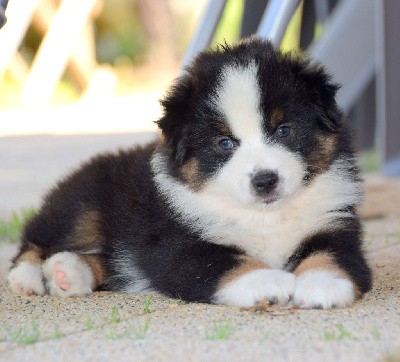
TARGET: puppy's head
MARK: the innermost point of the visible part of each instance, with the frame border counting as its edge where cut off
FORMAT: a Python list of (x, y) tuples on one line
[(251, 125)]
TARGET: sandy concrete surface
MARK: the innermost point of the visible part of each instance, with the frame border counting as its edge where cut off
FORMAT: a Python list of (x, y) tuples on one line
[(30, 165), (115, 326)]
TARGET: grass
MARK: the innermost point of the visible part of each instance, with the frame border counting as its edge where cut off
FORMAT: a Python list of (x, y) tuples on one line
[(338, 335), (114, 335), (11, 229), (147, 302), (140, 331), (368, 161), (131, 331), (181, 301), (24, 335), (376, 335), (89, 323), (114, 317), (57, 333), (220, 331), (389, 239), (367, 240)]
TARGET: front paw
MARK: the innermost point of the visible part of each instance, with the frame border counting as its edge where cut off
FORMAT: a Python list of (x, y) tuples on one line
[(323, 289), (276, 286)]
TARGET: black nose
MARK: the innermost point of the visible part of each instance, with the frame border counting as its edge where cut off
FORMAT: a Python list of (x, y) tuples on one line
[(264, 182)]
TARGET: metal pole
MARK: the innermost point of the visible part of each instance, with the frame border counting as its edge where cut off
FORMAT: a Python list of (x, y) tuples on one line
[(205, 30), (347, 48), (276, 18), (3, 6), (388, 85)]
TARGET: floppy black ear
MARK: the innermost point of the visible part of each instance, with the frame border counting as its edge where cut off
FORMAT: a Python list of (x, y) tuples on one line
[(321, 91), (175, 121)]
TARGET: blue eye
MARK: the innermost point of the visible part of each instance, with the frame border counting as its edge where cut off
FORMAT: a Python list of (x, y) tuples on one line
[(282, 131), (226, 144)]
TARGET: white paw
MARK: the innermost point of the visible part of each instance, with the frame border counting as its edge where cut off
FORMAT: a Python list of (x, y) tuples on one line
[(67, 275), (26, 279), (323, 289), (271, 284)]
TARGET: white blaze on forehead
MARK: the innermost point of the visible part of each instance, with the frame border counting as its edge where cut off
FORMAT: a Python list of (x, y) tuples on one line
[(238, 97)]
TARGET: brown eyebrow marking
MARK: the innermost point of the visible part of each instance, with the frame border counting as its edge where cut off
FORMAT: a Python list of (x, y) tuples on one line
[(277, 117), (224, 128)]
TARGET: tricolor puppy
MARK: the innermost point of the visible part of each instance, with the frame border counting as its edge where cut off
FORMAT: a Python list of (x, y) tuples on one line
[(250, 194)]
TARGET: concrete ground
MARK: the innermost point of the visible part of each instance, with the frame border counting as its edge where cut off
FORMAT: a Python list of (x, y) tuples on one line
[(29, 165), (111, 325)]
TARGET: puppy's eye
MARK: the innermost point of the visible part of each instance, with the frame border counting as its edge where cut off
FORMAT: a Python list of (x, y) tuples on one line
[(282, 131), (226, 144)]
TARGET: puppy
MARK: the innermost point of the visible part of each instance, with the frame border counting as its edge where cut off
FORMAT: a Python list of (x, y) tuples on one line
[(249, 195)]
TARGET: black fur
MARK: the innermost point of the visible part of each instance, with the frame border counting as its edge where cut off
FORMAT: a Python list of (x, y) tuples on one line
[(136, 220)]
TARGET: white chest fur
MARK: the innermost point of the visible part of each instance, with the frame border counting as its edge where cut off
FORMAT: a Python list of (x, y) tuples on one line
[(271, 233)]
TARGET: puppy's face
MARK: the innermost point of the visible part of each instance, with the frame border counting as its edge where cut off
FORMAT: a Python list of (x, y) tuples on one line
[(250, 126)]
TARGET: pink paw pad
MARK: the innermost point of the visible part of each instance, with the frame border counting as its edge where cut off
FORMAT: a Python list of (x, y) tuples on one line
[(60, 277), (61, 280)]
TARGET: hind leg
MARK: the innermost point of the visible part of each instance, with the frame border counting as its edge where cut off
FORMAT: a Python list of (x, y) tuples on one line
[(46, 266), (25, 277), (69, 274), (63, 274)]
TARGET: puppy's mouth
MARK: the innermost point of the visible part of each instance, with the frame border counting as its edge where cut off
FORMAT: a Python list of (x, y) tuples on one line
[(269, 199)]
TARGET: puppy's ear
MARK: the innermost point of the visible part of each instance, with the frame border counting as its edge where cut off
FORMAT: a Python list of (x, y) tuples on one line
[(174, 124), (321, 91)]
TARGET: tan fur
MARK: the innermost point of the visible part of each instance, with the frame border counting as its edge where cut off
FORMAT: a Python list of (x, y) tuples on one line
[(323, 261), (98, 269), (224, 129), (247, 265), (324, 152), (277, 116), (88, 236), (190, 174), (32, 256), (87, 233)]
